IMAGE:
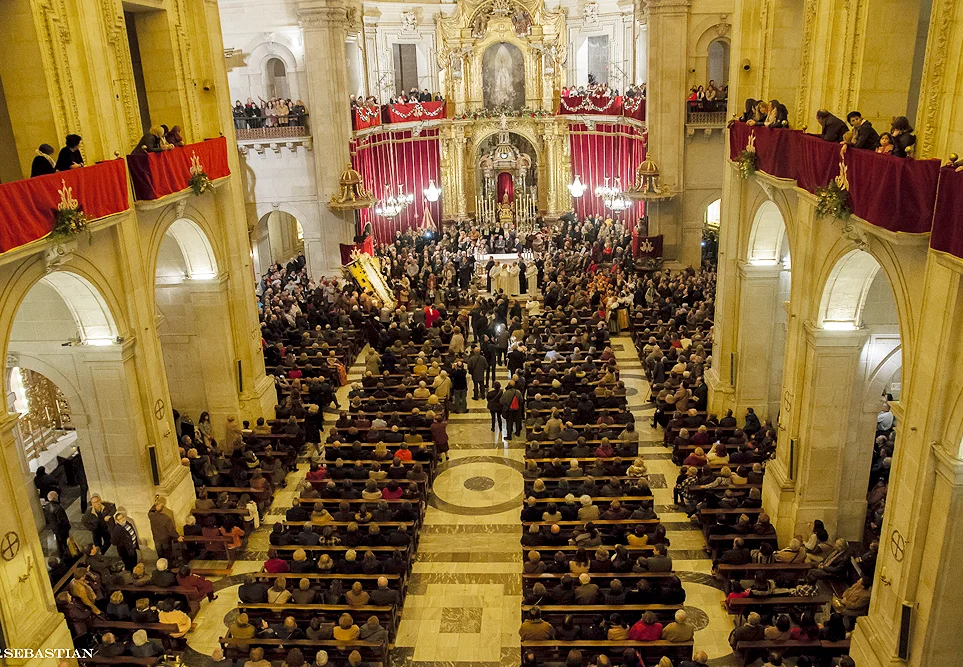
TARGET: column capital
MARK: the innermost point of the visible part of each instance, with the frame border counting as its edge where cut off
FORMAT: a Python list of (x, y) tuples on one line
[(315, 14), (819, 337), (656, 7), (760, 271)]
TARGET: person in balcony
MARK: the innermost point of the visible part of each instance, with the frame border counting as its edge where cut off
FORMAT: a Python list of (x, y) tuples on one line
[(885, 144), (833, 128), (864, 134), (778, 115), (903, 137), (70, 156), (43, 162), (750, 110), (151, 142), (174, 137)]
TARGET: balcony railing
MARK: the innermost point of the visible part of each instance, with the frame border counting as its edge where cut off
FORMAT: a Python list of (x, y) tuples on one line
[(706, 112), (271, 127), (155, 175)]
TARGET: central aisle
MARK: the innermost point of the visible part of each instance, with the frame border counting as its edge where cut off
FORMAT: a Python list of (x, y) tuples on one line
[(464, 594)]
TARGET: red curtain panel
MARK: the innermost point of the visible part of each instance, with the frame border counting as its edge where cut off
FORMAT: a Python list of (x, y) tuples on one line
[(948, 217), (388, 158), (609, 150)]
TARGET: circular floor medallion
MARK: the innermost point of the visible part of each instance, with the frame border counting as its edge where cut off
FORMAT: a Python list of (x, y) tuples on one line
[(480, 483)]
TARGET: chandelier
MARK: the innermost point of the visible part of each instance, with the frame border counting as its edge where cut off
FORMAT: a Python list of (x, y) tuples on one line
[(432, 192), (391, 206), (611, 195), (577, 188)]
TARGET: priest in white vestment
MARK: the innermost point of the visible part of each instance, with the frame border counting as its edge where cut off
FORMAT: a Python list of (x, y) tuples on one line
[(513, 283)]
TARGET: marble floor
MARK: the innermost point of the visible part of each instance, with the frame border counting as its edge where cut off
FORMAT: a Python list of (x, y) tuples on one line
[(464, 596)]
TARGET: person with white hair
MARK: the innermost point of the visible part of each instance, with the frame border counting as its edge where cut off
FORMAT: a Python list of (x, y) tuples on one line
[(680, 630), (161, 576), (58, 521), (144, 647)]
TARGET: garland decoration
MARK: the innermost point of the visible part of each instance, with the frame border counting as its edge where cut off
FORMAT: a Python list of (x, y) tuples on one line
[(69, 218), (747, 159), (833, 199), (199, 181), (586, 104)]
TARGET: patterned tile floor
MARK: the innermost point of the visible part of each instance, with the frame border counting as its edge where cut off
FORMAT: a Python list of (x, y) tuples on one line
[(464, 597)]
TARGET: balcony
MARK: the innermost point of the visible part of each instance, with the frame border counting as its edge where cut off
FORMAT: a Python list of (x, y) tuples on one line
[(707, 113), (596, 105), (270, 129), (28, 207), (156, 175)]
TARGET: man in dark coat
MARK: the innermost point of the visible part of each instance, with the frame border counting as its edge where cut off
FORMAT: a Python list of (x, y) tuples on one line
[(58, 522), (833, 128)]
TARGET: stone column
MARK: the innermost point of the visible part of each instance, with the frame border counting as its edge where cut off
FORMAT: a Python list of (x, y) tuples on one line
[(760, 341), (559, 161), (815, 459), (720, 374), (461, 184), (30, 618), (665, 113), (325, 27)]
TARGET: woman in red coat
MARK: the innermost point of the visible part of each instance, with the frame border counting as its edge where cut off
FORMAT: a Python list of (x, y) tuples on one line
[(202, 586)]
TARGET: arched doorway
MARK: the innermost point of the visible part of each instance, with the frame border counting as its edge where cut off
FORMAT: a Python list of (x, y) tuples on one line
[(710, 232), (65, 342), (858, 302), (718, 62), (278, 237), (276, 79), (766, 290), (194, 326)]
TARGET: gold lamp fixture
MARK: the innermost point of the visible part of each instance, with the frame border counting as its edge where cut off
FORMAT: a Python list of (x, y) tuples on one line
[(648, 185), (351, 196)]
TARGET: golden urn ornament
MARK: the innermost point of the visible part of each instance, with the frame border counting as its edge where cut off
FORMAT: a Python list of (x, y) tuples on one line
[(352, 195), (648, 186)]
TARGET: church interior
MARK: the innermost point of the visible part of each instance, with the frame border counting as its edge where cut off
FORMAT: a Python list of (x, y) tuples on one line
[(481, 333)]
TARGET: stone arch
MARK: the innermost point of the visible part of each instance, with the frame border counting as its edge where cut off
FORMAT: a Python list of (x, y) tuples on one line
[(196, 239), (768, 235), (86, 304), (845, 290), (199, 258), (261, 52)]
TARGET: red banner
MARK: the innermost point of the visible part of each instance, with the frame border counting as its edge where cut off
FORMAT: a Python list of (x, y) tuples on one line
[(407, 113), (27, 207), (897, 194), (608, 151), (365, 117), (948, 217), (366, 246), (156, 175)]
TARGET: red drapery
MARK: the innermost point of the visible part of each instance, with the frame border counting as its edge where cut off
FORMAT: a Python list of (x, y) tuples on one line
[(388, 158), (948, 218), (155, 175), (406, 113), (893, 193), (364, 117), (506, 186), (27, 207), (633, 107), (366, 246), (607, 151)]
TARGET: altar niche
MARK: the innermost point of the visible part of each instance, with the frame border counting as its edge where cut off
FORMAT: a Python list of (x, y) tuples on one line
[(503, 77), (506, 179)]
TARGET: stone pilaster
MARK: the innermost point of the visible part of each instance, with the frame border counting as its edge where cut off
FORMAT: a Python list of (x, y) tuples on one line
[(325, 27), (805, 482), (760, 342), (665, 110), (720, 375), (30, 618), (460, 179)]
